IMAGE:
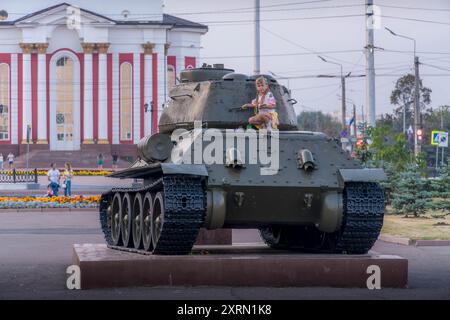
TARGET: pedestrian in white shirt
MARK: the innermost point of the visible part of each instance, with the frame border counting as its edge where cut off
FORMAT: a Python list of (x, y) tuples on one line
[(10, 160), (53, 177)]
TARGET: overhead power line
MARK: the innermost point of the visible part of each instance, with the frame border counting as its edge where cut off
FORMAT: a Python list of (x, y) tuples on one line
[(252, 8), (417, 20), (413, 8)]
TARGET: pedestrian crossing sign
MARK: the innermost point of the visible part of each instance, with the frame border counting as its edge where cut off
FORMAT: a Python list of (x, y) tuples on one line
[(435, 137), (439, 138)]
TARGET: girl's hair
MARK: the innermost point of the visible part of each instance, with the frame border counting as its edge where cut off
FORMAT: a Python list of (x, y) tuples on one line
[(69, 166), (261, 80)]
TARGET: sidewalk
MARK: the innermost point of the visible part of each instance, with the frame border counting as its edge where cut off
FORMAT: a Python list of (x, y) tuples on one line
[(81, 185)]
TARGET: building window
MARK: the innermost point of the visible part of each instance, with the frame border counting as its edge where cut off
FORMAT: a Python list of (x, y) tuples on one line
[(64, 99), (171, 77), (126, 101), (4, 102)]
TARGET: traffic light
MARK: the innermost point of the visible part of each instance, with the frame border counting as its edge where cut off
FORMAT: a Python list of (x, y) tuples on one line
[(360, 143), (419, 135)]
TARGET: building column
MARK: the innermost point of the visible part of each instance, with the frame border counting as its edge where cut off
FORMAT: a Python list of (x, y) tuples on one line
[(42, 92), (162, 51), (148, 76), (115, 99), (14, 99), (103, 93), (137, 98), (88, 118), (26, 87)]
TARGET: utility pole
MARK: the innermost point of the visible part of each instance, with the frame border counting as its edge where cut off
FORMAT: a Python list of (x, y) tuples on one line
[(417, 146), (257, 37), (344, 124), (343, 108), (442, 129), (417, 122), (370, 64), (354, 121)]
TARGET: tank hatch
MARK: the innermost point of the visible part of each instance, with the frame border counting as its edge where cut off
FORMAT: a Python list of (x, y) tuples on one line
[(205, 73)]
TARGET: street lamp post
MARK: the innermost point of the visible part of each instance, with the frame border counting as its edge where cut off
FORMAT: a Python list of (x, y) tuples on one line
[(417, 148), (343, 90)]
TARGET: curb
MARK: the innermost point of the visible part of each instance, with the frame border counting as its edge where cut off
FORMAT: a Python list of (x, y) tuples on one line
[(396, 239), (432, 243), (413, 242)]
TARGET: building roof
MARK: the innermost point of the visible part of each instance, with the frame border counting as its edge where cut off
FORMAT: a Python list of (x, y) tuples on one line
[(168, 20)]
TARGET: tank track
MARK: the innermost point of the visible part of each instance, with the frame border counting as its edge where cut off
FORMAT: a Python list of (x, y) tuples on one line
[(363, 217), (361, 225), (185, 207)]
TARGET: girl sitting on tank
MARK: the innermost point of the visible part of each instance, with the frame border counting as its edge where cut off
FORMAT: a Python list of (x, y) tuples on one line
[(264, 105)]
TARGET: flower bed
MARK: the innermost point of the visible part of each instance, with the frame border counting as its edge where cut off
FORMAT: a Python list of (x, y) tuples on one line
[(47, 202)]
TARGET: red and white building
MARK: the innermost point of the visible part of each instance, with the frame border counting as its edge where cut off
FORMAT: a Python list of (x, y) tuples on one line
[(88, 73)]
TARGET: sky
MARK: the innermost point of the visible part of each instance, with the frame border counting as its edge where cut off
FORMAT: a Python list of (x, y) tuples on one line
[(294, 33)]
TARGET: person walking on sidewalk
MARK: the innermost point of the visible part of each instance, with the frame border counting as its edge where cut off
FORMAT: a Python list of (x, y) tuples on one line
[(100, 161), (10, 160), (115, 159), (53, 177), (67, 182)]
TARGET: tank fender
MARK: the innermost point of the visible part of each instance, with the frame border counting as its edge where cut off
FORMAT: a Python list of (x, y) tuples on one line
[(189, 169), (362, 175)]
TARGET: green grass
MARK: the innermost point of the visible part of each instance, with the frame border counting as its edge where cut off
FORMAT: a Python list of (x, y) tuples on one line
[(431, 226)]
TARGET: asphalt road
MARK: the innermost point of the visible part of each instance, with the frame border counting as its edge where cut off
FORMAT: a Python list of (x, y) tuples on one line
[(36, 249)]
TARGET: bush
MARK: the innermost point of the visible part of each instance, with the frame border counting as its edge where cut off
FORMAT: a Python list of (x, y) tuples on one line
[(412, 194)]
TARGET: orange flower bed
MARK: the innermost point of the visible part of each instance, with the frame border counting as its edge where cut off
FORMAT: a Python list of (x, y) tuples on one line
[(50, 202)]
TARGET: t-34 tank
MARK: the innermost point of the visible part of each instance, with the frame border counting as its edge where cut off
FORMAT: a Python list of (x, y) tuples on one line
[(204, 170)]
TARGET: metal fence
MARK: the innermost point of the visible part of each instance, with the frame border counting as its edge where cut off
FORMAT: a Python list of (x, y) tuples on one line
[(18, 176)]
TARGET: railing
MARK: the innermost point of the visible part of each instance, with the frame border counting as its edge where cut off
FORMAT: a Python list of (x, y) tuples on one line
[(18, 176)]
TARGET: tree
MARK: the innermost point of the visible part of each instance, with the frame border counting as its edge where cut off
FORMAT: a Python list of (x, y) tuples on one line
[(403, 95), (412, 193), (319, 122), (387, 148), (441, 190)]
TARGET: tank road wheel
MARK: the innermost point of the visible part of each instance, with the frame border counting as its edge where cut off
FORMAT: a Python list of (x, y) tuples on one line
[(137, 221), (126, 220), (116, 213), (157, 219), (273, 237), (146, 225)]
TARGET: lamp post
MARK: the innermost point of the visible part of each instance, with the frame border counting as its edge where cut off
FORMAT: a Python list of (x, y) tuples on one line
[(417, 125), (343, 89)]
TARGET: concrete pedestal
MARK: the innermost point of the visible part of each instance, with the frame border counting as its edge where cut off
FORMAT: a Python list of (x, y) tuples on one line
[(233, 266), (215, 237)]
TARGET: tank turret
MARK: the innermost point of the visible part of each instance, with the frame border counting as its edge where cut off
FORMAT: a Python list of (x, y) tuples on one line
[(213, 96)]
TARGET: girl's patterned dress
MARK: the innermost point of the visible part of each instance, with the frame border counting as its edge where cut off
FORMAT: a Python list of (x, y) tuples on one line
[(267, 99)]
